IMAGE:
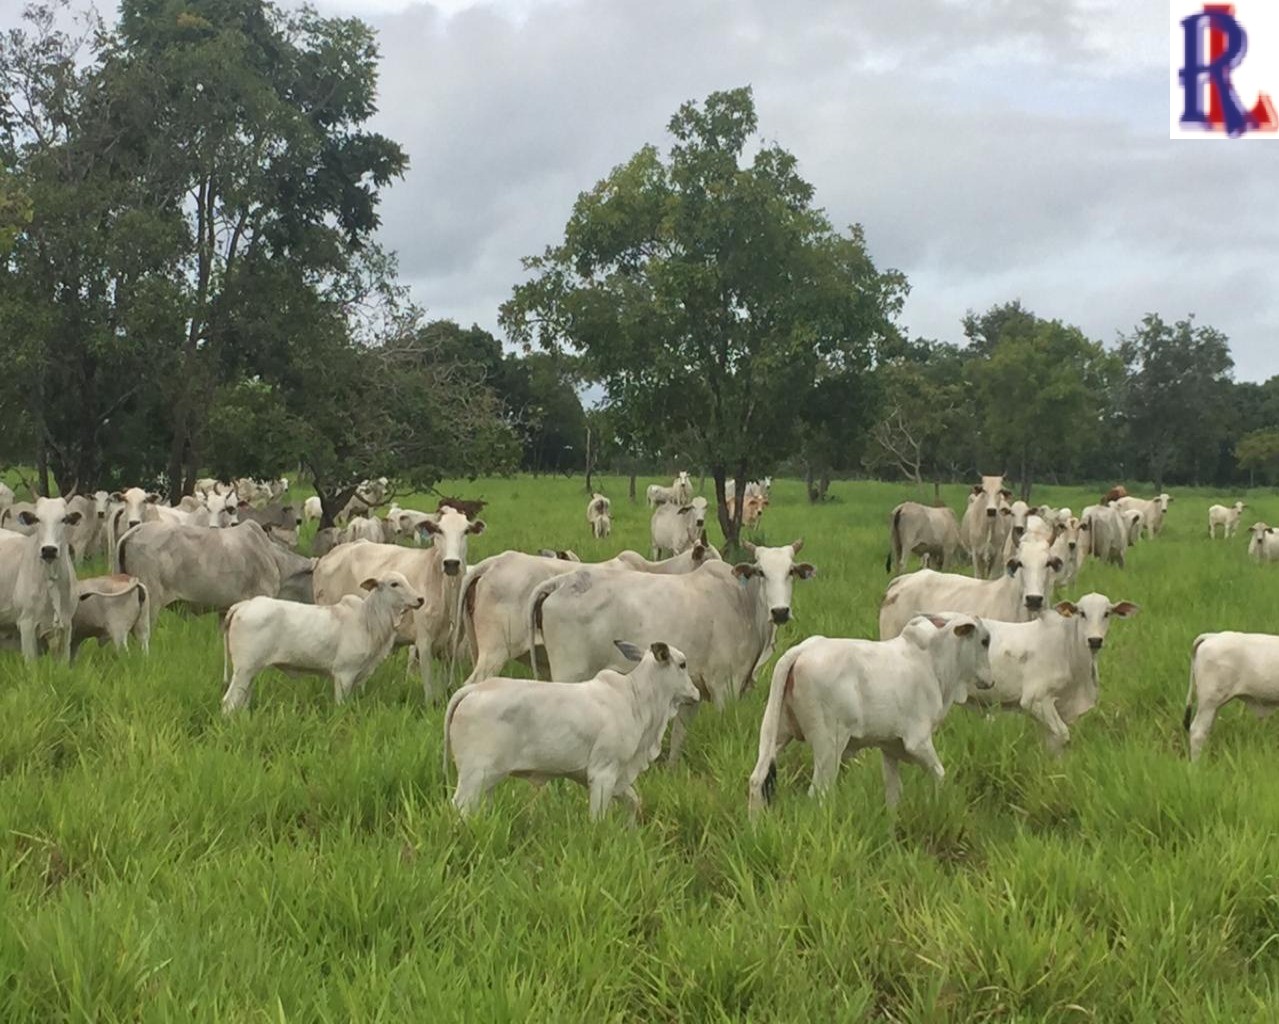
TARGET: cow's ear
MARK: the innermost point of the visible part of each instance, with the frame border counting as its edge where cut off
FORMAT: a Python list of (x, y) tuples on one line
[(1086, 524), (1005, 511), (1006, 493), (661, 652), (86, 594), (965, 629), (1055, 564), (804, 570), (1013, 565), (686, 509), (27, 518), (152, 498), (1125, 609), (797, 545), (117, 496), (72, 518), (976, 488), (429, 526), (629, 651), (476, 527), (744, 571), (369, 584), (1065, 608)]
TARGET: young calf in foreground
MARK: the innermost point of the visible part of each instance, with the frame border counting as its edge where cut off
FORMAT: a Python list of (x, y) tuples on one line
[(844, 695), (1048, 667), (345, 641), (601, 733)]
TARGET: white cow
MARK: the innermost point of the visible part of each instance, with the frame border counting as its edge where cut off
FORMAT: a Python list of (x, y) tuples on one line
[(7, 496), (38, 579), (842, 696), (1071, 546), (601, 733), (1048, 667), (676, 528), (931, 534), (312, 509), (986, 524), (112, 608), (1264, 545), (1132, 520), (346, 641), (1152, 511), (435, 572), (599, 516), (495, 598), (1016, 596), (1226, 667), (679, 493), (1226, 518), (1107, 533), (724, 617)]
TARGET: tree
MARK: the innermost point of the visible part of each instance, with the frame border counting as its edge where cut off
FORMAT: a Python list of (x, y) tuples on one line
[(1175, 401), (708, 294), (1259, 452)]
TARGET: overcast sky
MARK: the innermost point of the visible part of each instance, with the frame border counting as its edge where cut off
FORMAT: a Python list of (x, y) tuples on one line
[(993, 149)]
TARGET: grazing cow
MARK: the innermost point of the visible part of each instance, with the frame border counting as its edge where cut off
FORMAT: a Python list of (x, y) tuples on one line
[(931, 534), (1071, 546), (38, 579), (274, 513), (1107, 533), (1226, 518), (985, 525), (495, 598), (1264, 543), (724, 617), (599, 516), (676, 528), (346, 641), (362, 528), (1016, 596), (1226, 667), (679, 493), (435, 572), (601, 733), (211, 569), (1113, 495), (312, 509), (111, 608), (1048, 667), (842, 696), (1152, 511)]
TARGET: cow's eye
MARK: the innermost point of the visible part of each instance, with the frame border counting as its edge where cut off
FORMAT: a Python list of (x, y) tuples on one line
[(395, 584), (986, 642), (683, 664), (1106, 616)]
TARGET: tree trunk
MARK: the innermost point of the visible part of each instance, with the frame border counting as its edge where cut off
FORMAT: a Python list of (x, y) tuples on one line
[(809, 489), (823, 484), (590, 464), (631, 490), (937, 492), (730, 525), (42, 468)]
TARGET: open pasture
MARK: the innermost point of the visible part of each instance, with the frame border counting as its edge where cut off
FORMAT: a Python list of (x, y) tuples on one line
[(301, 861)]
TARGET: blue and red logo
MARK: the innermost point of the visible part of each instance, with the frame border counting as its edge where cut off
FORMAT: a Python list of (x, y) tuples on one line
[(1214, 44)]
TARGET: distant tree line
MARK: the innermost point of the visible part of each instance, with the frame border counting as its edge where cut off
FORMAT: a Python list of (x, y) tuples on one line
[(190, 285)]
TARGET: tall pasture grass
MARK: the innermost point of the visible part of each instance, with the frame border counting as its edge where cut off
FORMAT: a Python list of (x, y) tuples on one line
[(300, 862)]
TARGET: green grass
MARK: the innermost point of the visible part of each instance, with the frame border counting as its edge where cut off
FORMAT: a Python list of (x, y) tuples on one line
[(301, 862)]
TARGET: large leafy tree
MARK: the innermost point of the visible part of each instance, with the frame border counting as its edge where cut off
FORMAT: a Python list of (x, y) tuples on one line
[(1177, 396), (708, 294)]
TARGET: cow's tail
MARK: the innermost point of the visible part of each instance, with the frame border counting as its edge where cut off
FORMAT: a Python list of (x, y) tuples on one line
[(894, 541), (1190, 688), (464, 619), (764, 777), (543, 591), (454, 701)]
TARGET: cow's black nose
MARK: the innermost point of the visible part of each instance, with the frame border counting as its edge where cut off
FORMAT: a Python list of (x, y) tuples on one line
[(48, 552), (1034, 602), (420, 601), (990, 511), (781, 615), (1095, 642), (102, 515), (452, 566), (1071, 545)]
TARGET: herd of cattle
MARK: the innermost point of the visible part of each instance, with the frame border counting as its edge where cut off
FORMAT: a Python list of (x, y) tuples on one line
[(633, 645)]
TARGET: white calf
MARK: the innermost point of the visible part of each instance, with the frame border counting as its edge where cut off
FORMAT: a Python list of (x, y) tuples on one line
[(844, 695), (345, 641), (1264, 545), (1226, 667), (601, 733), (1226, 518), (111, 608)]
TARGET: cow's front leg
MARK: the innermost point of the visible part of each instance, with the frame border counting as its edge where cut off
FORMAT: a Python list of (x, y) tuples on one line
[(30, 638), (1057, 733)]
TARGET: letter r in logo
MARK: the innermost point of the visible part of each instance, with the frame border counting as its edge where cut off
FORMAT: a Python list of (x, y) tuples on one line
[(1227, 45)]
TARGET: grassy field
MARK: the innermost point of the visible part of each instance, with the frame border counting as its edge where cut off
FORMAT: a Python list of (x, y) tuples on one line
[(301, 862)]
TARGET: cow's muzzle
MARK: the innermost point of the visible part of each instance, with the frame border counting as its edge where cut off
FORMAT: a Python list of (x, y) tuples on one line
[(102, 515), (990, 512), (48, 552), (1095, 642), (1035, 602), (1018, 531), (452, 566), (1072, 545), (420, 601), (781, 615)]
